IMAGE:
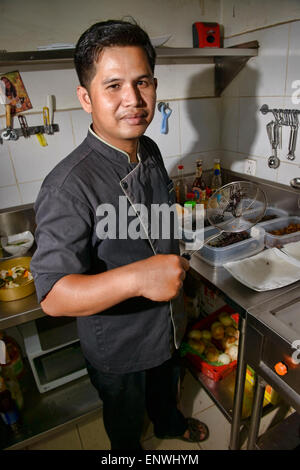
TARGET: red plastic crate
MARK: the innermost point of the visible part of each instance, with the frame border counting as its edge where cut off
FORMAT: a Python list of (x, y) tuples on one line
[(215, 373)]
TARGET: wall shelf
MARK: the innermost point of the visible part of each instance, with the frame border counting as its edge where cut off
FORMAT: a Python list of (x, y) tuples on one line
[(228, 61)]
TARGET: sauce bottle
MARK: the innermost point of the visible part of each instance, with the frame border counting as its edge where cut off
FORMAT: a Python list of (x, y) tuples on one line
[(216, 181), (180, 187), (199, 187)]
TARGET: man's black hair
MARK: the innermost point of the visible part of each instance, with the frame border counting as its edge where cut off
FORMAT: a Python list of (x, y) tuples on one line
[(107, 34)]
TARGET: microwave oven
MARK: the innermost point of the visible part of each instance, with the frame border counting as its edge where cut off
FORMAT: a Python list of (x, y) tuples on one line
[(53, 350)]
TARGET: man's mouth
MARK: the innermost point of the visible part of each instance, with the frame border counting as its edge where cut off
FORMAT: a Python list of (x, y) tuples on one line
[(134, 119)]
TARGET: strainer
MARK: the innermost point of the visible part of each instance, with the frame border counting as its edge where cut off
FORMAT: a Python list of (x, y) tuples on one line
[(235, 207)]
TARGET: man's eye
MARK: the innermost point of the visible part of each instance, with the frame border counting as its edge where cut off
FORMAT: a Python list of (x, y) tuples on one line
[(114, 86), (142, 83)]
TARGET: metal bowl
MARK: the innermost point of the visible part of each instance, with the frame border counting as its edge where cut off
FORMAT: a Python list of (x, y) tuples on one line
[(23, 290)]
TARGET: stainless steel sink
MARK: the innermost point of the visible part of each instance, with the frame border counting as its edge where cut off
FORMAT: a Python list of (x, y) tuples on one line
[(17, 219)]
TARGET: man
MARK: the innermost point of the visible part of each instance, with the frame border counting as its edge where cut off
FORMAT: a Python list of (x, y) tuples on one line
[(119, 288)]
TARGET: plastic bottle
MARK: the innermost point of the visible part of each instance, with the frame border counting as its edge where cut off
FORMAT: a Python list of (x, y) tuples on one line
[(14, 359), (180, 187), (216, 181), (199, 184), (13, 386), (8, 409)]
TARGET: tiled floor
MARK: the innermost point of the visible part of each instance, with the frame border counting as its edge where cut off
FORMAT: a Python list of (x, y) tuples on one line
[(91, 435)]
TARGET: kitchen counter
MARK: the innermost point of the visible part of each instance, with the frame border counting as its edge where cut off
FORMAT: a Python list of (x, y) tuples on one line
[(243, 298)]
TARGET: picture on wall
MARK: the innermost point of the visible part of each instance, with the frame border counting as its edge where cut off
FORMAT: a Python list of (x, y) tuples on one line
[(13, 89)]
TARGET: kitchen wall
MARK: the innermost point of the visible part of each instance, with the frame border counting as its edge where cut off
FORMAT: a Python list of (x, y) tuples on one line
[(269, 78), (194, 125)]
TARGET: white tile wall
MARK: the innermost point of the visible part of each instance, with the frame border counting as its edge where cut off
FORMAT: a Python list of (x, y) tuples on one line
[(199, 125), (272, 78)]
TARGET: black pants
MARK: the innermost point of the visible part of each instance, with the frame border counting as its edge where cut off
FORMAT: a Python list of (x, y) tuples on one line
[(125, 398)]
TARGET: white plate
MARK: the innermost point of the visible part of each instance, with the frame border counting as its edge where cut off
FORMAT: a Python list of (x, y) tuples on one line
[(270, 269), (292, 250), (159, 41)]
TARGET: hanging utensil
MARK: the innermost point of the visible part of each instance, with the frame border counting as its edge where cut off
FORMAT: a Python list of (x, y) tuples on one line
[(166, 112), (24, 126), (274, 137), (293, 135)]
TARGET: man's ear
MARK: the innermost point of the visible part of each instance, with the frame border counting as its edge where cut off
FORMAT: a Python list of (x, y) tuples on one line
[(155, 83), (84, 98)]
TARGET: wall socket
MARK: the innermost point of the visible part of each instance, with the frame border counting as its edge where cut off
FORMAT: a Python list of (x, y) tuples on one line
[(250, 167)]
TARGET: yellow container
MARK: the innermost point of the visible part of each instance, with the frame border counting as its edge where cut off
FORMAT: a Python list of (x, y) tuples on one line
[(25, 288), (270, 395)]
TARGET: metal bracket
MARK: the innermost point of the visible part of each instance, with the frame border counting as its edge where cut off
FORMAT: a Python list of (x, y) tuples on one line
[(10, 133), (227, 67)]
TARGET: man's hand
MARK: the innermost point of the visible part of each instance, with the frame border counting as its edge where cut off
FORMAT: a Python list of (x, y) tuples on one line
[(160, 277)]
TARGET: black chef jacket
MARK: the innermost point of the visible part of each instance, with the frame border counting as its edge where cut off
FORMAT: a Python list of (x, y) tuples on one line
[(135, 334)]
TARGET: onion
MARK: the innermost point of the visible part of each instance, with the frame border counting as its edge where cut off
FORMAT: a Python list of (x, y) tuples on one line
[(224, 358), (232, 352)]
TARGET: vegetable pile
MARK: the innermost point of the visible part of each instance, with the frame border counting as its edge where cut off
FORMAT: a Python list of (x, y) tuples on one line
[(219, 345), (14, 277)]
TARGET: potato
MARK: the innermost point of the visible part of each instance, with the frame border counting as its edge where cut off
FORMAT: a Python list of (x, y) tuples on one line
[(227, 341), (225, 319), (206, 334), (196, 334), (218, 332), (212, 355), (230, 331), (199, 345), (214, 324)]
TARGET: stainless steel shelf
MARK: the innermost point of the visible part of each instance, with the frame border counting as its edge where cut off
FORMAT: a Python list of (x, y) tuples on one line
[(228, 61), (66, 55), (47, 413)]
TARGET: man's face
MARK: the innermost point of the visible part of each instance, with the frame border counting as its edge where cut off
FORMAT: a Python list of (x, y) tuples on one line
[(121, 96)]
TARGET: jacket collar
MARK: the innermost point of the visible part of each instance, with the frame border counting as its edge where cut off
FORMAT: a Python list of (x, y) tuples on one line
[(108, 150)]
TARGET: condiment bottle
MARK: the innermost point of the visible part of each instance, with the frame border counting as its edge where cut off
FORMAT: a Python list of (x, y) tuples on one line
[(180, 187), (14, 359), (216, 181), (199, 184), (8, 409)]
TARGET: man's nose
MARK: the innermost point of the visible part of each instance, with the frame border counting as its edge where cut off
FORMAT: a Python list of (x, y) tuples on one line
[(132, 96)]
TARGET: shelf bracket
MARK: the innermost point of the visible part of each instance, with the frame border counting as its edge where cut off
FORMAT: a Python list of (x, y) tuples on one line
[(227, 67)]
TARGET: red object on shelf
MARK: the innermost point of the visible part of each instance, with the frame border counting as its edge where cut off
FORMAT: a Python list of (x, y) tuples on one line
[(206, 34), (215, 373)]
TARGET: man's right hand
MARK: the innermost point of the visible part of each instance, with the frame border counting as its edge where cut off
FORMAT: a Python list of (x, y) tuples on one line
[(160, 277)]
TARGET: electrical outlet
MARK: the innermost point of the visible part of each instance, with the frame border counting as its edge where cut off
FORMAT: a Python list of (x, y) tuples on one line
[(250, 167)]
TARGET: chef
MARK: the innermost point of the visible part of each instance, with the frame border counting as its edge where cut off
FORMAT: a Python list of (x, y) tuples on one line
[(124, 291)]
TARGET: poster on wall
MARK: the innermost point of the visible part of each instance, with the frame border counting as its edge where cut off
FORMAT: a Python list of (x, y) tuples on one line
[(12, 87)]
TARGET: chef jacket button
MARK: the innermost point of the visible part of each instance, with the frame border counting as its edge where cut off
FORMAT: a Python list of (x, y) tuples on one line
[(125, 185)]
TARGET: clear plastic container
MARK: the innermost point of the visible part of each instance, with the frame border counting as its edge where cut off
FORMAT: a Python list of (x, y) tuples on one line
[(274, 211), (277, 224), (239, 250)]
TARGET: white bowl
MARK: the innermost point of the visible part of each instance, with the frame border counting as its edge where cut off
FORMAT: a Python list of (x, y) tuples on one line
[(18, 244)]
